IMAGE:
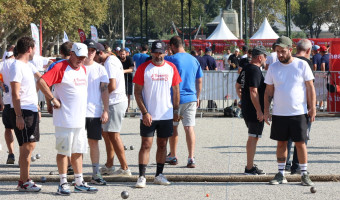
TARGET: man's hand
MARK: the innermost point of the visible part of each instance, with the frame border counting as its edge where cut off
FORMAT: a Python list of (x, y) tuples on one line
[(20, 123), (198, 103), (105, 117), (49, 108), (267, 118), (147, 119), (312, 114), (176, 117), (260, 116), (2, 106), (56, 103)]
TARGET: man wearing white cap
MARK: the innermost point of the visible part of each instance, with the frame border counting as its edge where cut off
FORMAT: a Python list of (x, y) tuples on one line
[(69, 100)]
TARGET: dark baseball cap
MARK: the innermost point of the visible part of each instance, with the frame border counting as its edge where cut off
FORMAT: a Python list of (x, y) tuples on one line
[(158, 46), (207, 49), (284, 42), (99, 47), (258, 50), (90, 43)]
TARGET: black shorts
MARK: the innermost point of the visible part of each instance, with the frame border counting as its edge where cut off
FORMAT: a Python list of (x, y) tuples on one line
[(290, 127), (6, 117), (128, 88), (30, 133), (164, 128), (255, 128), (94, 128)]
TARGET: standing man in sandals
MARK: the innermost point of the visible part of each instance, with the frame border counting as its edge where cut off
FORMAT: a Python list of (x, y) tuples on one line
[(153, 82), (97, 96), (290, 83), (69, 100), (24, 112), (190, 88)]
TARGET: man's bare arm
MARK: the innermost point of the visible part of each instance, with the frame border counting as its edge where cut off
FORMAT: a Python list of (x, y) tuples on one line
[(268, 97), (112, 85), (139, 98), (45, 89), (311, 99), (238, 90), (198, 89), (255, 99), (20, 124), (105, 98)]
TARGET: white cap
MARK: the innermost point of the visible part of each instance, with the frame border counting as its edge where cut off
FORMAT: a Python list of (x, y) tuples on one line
[(9, 54), (237, 50), (80, 49), (118, 49)]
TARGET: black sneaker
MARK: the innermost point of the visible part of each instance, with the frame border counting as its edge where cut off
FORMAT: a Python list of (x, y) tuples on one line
[(254, 171), (10, 159), (70, 170)]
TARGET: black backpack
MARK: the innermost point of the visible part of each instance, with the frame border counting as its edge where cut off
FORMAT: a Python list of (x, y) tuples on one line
[(229, 111)]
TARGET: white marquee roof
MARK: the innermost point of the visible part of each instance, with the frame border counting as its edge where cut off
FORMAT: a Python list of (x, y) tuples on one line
[(265, 31), (222, 32)]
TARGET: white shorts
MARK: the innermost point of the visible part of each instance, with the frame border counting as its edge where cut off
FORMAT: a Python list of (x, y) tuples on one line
[(70, 140), (188, 112)]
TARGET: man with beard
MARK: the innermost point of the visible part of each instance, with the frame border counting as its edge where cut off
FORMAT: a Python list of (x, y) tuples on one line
[(153, 82), (290, 85)]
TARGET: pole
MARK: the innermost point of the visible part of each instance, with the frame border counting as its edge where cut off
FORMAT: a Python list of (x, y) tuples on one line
[(241, 16), (40, 27), (182, 21), (289, 19), (58, 45), (189, 5), (146, 22), (287, 31), (141, 21), (246, 20), (123, 34)]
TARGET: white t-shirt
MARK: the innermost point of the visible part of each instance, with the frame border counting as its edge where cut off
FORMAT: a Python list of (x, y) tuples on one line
[(115, 70), (7, 98), (23, 73), (157, 82), (225, 59), (39, 62), (289, 86), (70, 87), (272, 58), (96, 74)]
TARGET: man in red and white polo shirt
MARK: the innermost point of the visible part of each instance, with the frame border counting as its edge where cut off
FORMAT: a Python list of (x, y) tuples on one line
[(69, 100), (153, 82)]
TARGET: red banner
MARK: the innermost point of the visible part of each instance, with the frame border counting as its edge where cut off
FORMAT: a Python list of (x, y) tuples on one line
[(333, 99), (82, 35)]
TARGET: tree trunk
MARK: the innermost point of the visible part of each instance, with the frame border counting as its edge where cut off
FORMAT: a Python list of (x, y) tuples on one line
[(251, 17)]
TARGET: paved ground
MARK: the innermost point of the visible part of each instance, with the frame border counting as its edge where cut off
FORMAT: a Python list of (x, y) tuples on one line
[(220, 152)]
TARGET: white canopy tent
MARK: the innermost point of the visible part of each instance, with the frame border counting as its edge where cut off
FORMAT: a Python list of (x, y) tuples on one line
[(222, 32), (265, 31)]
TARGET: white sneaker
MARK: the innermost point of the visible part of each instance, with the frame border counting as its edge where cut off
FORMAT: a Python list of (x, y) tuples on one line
[(29, 186), (161, 180), (122, 172), (141, 182), (106, 170)]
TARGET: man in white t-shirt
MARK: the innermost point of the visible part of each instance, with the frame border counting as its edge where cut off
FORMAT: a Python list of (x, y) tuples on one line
[(95, 116), (118, 103), (153, 82), (24, 114), (290, 84), (225, 59), (69, 100), (272, 58), (6, 120)]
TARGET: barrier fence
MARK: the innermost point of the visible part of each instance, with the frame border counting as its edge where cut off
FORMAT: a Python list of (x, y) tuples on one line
[(218, 92)]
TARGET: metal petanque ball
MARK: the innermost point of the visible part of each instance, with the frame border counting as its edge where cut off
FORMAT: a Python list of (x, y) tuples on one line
[(38, 156), (125, 147), (312, 190), (43, 179), (124, 195), (132, 147), (33, 158)]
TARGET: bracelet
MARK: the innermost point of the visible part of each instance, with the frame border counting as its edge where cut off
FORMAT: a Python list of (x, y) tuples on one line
[(145, 113), (51, 99)]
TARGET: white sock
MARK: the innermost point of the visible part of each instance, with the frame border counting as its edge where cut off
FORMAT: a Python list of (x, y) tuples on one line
[(281, 167), (79, 179), (63, 178), (303, 168)]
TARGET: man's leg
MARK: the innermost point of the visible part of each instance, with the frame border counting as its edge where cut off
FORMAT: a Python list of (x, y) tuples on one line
[(191, 140), (94, 154), (119, 149), (302, 153), (62, 163), (289, 149), (109, 150), (281, 154), (9, 140), (25, 160), (251, 149), (161, 154), (173, 140), (143, 160)]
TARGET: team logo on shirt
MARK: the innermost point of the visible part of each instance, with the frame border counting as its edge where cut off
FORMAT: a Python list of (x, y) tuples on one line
[(160, 77), (79, 82)]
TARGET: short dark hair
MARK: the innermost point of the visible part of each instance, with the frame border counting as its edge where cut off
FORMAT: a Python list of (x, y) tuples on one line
[(15, 51), (65, 48), (145, 47), (245, 48), (250, 51), (193, 53), (176, 41), (24, 44)]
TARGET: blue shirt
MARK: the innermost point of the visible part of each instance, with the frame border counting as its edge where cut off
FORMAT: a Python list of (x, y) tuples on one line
[(140, 58), (201, 61), (317, 61), (189, 69), (52, 65), (210, 62), (325, 59)]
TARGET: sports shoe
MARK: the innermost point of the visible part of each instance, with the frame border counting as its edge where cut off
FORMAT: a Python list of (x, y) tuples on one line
[(70, 170), (254, 171), (191, 163), (122, 172), (85, 188), (305, 180), (278, 179), (10, 159), (98, 180), (29, 186), (171, 160), (106, 170), (294, 171), (64, 189), (161, 180), (141, 182)]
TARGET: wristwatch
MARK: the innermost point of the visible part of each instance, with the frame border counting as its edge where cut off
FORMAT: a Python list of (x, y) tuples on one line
[(51, 99), (176, 111)]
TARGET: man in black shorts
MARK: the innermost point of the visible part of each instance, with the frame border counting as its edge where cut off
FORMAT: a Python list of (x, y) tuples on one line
[(153, 81), (128, 66), (24, 114), (250, 88), (290, 85)]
